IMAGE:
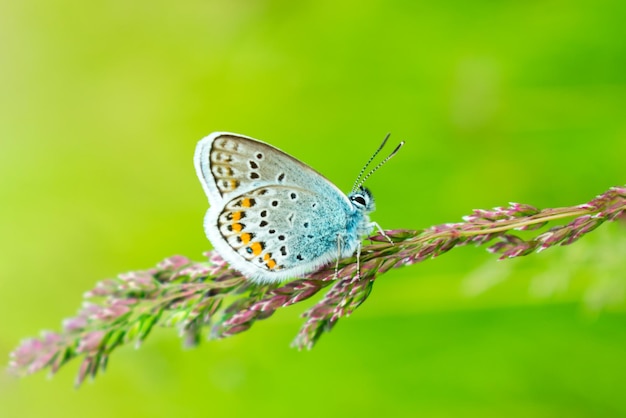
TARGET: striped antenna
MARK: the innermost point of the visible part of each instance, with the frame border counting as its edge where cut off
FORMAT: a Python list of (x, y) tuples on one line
[(380, 164), (359, 182), (354, 186)]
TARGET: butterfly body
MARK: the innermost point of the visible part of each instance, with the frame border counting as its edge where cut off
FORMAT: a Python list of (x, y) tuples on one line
[(271, 216)]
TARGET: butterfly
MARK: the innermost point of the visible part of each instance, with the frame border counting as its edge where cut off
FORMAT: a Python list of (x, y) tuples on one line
[(272, 217)]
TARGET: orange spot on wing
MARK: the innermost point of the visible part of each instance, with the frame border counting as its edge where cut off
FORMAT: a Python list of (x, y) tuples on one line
[(247, 202), (271, 264), (237, 227), (256, 248), (236, 216), (245, 237)]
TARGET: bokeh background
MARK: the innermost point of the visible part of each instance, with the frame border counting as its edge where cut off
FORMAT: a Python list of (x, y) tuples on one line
[(102, 103)]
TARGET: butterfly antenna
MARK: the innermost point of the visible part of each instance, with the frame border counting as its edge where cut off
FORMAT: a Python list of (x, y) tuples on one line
[(358, 178), (380, 164)]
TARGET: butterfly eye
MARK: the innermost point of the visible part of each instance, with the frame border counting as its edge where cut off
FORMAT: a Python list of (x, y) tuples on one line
[(359, 200)]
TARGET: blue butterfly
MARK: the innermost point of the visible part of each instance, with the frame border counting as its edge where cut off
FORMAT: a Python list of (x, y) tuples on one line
[(271, 216)]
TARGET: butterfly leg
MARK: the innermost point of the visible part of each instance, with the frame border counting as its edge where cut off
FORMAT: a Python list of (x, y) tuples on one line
[(358, 261), (380, 230), (358, 258), (338, 255)]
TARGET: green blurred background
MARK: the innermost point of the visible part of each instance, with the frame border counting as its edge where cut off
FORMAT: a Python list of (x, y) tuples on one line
[(101, 106)]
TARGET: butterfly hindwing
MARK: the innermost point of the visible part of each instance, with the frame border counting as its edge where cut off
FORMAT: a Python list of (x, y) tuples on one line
[(279, 230)]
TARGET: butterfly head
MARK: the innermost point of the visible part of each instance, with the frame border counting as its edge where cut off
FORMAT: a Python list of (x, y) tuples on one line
[(362, 200)]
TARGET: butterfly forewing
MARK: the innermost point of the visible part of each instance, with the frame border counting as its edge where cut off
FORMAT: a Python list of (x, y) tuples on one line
[(230, 164)]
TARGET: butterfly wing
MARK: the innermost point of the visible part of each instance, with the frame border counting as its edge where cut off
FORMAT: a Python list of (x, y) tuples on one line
[(271, 216), (229, 165), (277, 232)]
